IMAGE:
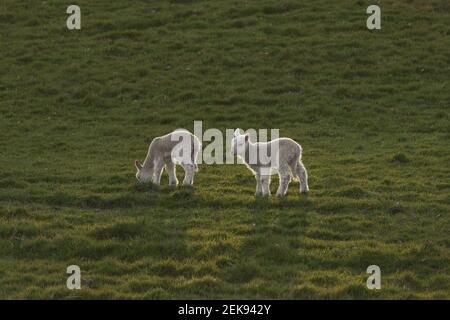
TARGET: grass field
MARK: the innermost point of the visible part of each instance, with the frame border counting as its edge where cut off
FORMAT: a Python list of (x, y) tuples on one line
[(370, 108)]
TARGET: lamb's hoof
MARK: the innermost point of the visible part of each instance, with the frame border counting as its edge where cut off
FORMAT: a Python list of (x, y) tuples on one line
[(279, 195), (304, 190)]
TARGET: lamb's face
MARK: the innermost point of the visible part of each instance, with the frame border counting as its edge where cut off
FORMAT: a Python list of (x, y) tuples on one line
[(142, 175), (238, 143)]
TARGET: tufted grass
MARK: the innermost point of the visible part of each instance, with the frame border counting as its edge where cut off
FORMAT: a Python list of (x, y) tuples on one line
[(369, 108)]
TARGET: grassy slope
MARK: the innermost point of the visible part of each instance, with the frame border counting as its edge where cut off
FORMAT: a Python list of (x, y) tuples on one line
[(369, 108)]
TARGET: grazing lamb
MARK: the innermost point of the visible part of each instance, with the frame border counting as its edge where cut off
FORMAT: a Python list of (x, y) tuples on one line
[(283, 155), (178, 147)]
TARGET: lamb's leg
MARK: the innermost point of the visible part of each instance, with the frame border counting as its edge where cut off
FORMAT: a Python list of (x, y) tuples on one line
[(188, 175), (258, 184), (159, 165), (285, 178), (303, 176), (265, 185), (171, 171)]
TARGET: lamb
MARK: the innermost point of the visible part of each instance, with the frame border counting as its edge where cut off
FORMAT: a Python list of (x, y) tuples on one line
[(283, 155), (178, 147)]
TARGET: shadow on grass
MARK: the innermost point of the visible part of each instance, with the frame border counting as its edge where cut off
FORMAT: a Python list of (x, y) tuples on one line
[(146, 196)]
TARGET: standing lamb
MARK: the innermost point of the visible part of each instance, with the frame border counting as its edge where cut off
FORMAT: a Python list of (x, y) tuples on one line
[(178, 147), (283, 155)]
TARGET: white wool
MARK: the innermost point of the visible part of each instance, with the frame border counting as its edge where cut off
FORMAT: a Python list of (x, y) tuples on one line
[(282, 155), (178, 147)]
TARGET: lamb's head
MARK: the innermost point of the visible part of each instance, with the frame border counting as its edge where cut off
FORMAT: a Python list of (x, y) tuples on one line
[(239, 143), (142, 174)]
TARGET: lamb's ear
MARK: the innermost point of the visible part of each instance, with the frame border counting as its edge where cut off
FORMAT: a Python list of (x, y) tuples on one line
[(137, 164), (237, 132)]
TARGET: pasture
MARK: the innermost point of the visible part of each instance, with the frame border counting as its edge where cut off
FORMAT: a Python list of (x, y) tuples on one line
[(370, 109)]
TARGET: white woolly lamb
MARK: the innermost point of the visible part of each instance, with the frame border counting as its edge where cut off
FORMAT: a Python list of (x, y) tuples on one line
[(283, 155), (178, 147)]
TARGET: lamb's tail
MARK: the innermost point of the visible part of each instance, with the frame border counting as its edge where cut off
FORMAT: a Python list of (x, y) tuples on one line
[(295, 166), (197, 148), (294, 171)]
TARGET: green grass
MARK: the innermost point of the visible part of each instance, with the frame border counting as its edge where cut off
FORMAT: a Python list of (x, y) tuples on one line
[(370, 109)]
